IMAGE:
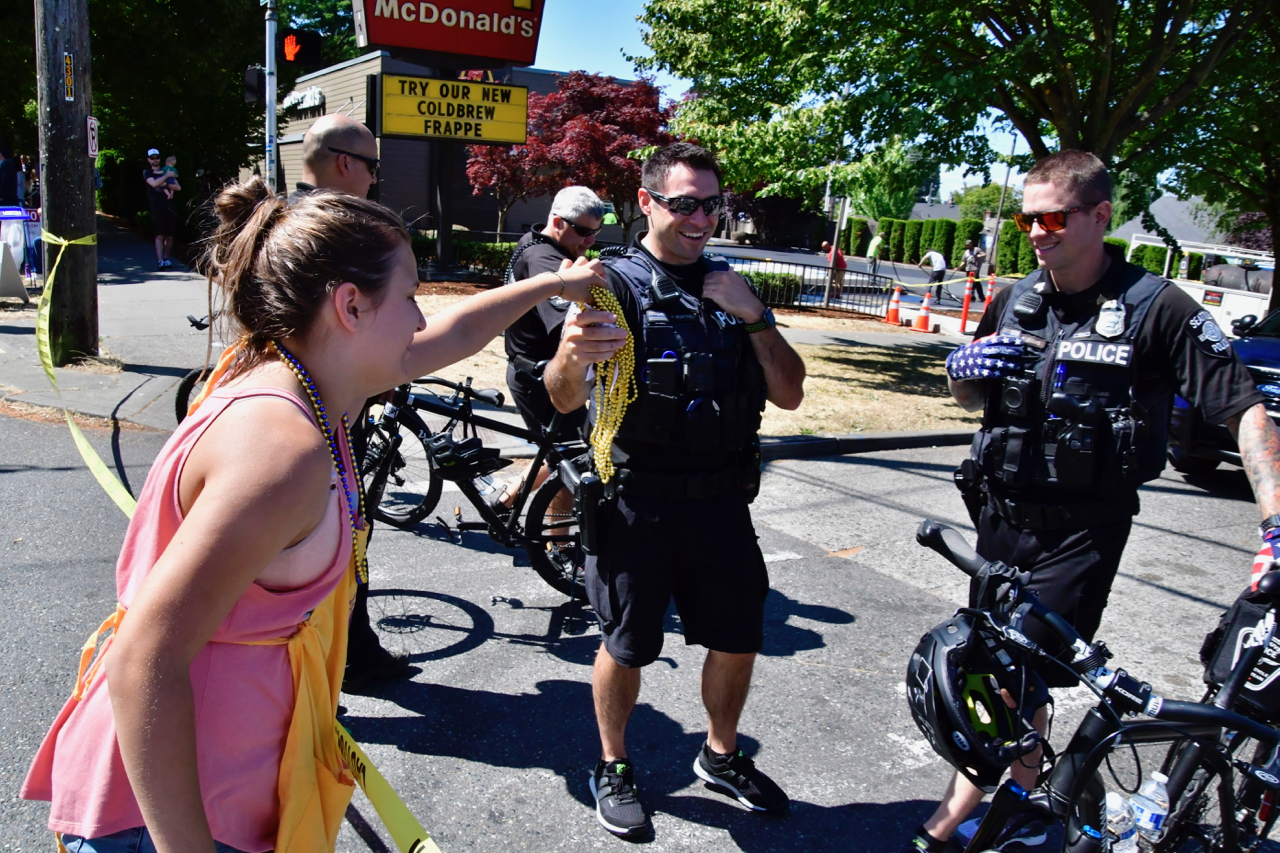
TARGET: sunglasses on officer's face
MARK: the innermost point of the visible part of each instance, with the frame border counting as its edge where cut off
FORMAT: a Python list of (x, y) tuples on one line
[(581, 230), (1050, 220), (685, 206), (371, 162)]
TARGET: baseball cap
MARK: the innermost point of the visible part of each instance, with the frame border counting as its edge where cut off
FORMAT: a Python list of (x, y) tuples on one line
[(153, 152)]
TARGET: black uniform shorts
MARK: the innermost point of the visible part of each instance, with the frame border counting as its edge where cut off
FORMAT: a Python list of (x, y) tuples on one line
[(534, 403), (702, 553), (1071, 572)]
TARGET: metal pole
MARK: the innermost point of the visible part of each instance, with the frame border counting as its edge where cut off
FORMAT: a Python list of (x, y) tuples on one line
[(995, 238), (270, 166)]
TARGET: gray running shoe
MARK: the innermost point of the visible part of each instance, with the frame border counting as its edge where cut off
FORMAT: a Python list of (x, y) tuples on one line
[(735, 774), (613, 785)]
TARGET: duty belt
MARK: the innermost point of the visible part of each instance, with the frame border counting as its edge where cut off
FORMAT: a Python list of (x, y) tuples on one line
[(1031, 516), (678, 487)]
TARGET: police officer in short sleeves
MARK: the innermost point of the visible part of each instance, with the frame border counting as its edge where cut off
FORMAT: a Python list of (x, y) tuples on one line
[(1074, 369)]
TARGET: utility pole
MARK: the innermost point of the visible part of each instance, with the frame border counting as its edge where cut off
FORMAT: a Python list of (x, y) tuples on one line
[(995, 238), (63, 83), (269, 167)]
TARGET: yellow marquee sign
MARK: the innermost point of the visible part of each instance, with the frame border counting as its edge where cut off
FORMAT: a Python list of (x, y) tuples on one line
[(465, 110)]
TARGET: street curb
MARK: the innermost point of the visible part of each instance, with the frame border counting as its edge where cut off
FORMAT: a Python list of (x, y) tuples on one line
[(803, 446)]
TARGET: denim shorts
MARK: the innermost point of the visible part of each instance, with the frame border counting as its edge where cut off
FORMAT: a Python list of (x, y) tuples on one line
[(136, 840)]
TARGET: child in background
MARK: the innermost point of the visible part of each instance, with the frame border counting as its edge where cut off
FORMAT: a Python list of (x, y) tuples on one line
[(170, 170)]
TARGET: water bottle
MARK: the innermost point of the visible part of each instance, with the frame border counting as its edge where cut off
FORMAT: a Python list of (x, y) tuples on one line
[(1121, 824), (1151, 806)]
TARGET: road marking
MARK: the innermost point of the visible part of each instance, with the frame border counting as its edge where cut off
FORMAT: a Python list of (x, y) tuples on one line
[(782, 557)]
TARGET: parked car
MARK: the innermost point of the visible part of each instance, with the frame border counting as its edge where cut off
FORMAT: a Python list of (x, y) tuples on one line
[(1196, 447)]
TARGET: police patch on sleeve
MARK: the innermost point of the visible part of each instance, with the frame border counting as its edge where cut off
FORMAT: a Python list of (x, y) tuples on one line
[(1206, 335)]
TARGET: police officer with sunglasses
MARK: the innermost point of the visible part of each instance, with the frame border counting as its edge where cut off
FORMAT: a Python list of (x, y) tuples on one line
[(675, 521), (1074, 369)]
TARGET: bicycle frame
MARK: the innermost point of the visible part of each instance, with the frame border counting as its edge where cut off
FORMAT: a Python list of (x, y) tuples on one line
[(458, 409)]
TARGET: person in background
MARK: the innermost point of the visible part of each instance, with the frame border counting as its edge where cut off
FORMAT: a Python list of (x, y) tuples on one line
[(339, 153), (971, 263), (873, 254), (837, 264), (575, 219), (164, 219), (937, 270)]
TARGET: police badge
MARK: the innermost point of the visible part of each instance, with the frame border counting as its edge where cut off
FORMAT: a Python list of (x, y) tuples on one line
[(1110, 322)]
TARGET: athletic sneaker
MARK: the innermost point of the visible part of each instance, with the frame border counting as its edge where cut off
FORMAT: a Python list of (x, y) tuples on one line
[(923, 842), (1033, 833), (737, 775), (613, 785)]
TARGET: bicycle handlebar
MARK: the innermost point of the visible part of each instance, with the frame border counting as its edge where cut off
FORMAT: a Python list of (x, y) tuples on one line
[(492, 396), (948, 542)]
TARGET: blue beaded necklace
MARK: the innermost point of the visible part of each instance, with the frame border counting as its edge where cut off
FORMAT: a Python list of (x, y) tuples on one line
[(355, 505)]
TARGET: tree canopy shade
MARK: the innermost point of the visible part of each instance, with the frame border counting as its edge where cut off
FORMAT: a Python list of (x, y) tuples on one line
[(1093, 75), (1229, 146), (580, 134), (975, 201)]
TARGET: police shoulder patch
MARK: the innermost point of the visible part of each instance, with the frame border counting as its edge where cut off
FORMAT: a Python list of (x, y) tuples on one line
[(1205, 334)]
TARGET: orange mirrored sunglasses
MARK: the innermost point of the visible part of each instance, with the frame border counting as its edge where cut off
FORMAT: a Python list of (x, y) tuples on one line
[(1050, 220)]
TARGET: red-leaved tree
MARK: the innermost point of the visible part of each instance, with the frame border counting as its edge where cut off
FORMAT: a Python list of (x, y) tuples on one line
[(516, 172), (592, 122)]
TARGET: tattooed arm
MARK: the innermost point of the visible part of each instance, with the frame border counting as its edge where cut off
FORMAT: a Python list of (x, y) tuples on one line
[(1260, 454)]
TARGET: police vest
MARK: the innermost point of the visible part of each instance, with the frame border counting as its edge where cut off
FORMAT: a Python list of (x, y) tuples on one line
[(700, 384), (1073, 425)]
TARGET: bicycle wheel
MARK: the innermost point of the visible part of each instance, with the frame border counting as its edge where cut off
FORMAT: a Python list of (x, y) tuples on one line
[(411, 489), (188, 389), (554, 549), (1195, 822)]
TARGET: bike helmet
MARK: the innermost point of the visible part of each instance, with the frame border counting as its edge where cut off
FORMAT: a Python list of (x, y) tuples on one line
[(954, 683)]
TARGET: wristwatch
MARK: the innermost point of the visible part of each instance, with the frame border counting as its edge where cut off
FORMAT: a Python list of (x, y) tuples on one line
[(767, 322), (1268, 524)]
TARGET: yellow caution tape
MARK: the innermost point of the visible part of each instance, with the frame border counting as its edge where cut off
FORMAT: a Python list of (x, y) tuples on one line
[(933, 284), (405, 830), (114, 488)]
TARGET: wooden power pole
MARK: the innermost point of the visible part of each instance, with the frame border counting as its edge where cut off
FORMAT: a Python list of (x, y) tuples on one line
[(66, 173)]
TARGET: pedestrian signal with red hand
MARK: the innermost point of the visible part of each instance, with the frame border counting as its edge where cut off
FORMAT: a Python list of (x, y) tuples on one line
[(992, 357)]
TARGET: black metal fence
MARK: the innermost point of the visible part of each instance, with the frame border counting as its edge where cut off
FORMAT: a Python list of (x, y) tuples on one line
[(791, 285)]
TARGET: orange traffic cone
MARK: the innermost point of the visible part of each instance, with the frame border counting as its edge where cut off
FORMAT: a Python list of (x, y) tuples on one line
[(922, 323), (895, 304), (991, 292)]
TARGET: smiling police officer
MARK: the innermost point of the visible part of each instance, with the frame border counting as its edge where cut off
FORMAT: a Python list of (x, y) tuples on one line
[(1075, 368), (707, 356)]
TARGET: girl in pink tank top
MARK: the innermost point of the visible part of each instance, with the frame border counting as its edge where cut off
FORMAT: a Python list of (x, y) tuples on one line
[(206, 720)]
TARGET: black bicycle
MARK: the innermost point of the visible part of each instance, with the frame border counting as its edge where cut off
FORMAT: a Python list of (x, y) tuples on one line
[(404, 463), (1223, 767)]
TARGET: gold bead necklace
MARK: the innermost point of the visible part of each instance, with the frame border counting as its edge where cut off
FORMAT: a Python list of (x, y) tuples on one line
[(615, 388), (355, 506)]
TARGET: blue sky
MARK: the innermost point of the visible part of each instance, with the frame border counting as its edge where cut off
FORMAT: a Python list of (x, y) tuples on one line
[(592, 36)]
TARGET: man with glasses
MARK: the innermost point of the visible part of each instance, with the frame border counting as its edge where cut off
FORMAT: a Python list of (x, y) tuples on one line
[(339, 153), (1075, 368), (575, 220), (674, 520)]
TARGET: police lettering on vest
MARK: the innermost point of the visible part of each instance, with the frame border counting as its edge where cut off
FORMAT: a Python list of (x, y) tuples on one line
[(1071, 428)]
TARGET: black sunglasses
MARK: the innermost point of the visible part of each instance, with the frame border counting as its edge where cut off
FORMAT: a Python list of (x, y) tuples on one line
[(581, 230), (371, 162), (1050, 220), (685, 206)]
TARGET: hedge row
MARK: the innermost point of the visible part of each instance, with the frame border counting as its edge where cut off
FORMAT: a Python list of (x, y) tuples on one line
[(911, 241), (777, 288), (908, 240), (855, 237)]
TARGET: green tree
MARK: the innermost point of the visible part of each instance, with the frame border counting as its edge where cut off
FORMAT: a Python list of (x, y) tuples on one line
[(18, 71), (911, 240), (1229, 146), (927, 229), (976, 200), (1107, 78)]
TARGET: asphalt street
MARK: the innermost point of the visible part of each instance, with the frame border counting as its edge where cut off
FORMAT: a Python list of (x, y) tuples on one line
[(491, 741)]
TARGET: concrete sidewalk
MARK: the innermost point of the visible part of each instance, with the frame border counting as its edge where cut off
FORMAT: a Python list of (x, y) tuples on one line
[(143, 323)]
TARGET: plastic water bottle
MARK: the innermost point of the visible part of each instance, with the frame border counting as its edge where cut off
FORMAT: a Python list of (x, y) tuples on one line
[(1151, 806), (1121, 824)]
